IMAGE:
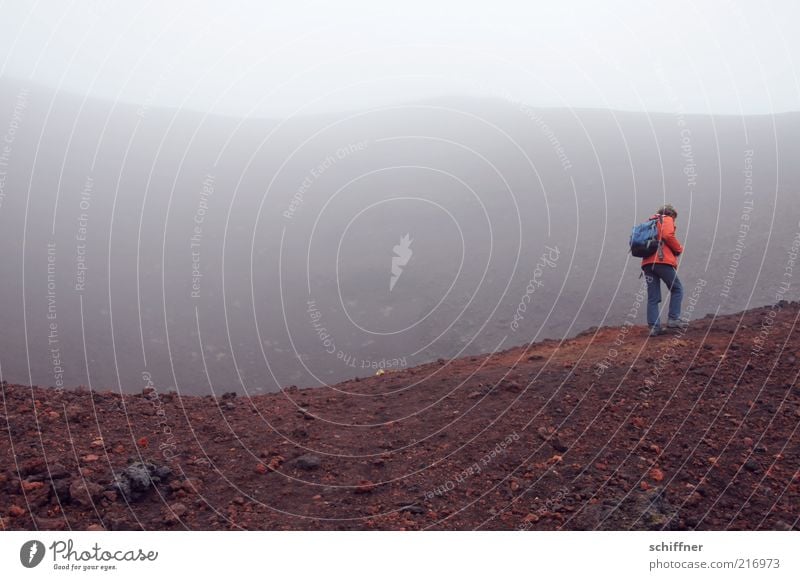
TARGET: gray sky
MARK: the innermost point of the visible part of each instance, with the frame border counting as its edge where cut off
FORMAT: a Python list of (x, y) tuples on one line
[(281, 58)]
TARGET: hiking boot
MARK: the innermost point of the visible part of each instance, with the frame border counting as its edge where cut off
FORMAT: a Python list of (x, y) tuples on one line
[(656, 331), (676, 323)]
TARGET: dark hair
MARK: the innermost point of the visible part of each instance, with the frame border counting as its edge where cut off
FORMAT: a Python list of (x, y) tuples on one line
[(667, 209)]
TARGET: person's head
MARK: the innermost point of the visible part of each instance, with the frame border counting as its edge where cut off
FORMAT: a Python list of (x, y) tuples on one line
[(667, 209)]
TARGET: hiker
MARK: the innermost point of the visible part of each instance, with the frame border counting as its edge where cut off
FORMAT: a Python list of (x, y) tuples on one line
[(662, 266)]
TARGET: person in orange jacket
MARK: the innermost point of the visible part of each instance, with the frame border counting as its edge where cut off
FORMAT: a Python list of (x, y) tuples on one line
[(662, 267)]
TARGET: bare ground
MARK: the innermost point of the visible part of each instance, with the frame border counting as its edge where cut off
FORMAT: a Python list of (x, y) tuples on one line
[(697, 429)]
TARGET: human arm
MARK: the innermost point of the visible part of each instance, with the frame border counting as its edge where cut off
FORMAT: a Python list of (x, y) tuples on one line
[(668, 235)]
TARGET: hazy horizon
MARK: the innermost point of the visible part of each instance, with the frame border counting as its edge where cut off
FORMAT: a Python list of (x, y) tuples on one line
[(450, 98), (721, 57)]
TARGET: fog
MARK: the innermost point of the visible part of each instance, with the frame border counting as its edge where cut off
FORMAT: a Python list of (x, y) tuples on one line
[(279, 59), (220, 197), (209, 253)]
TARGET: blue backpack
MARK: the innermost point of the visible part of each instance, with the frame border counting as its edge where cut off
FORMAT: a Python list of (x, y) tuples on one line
[(644, 240)]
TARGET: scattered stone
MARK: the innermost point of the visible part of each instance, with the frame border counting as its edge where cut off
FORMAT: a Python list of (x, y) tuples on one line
[(190, 485), (136, 479), (120, 524), (413, 509), (50, 524), (782, 526), (309, 461), (303, 412), (648, 510), (32, 467), (162, 472), (84, 493), (60, 488), (56, 471), (15, 511), (74, 413), (174, 512), (95, 528), (365, 487), (31, 485), (693, 499), (90, 458), (752, 465)]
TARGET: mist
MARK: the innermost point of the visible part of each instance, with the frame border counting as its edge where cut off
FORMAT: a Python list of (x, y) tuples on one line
[(279, 60), (239, 200), (398, 266)]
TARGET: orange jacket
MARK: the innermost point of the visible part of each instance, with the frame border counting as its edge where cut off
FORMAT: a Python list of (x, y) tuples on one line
[(670, 248)]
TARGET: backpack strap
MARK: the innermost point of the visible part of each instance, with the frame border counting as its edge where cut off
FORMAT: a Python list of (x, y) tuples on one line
[(660, 250)]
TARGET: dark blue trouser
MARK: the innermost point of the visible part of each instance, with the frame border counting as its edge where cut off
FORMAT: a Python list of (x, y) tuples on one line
[(655, 274)]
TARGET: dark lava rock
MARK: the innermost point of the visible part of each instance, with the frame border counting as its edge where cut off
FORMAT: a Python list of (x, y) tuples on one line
[(308, 461), (136, 479), (61, 489), (414, 509), (52, 471), (512, 386), (752, 465), (303, 412), (299, 433), (163, 473)]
